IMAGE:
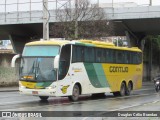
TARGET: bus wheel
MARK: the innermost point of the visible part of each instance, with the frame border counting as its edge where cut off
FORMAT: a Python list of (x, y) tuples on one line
[(122, 89), (98, 95), (43, 97), (75, 93), (116, 94), (129, 89)]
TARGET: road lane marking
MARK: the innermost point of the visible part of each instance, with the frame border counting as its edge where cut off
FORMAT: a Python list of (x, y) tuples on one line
[(126, 107), (144, 89), (139, 95), (60, 104)]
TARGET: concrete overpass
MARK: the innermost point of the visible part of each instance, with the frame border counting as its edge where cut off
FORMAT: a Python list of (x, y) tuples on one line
[(21, 27), (140, 21)]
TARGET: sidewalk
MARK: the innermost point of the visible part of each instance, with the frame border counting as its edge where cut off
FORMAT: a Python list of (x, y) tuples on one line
[(15, 88), (9, 89), (147, 83)]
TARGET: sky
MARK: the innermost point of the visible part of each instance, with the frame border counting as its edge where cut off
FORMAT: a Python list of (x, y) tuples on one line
[(37, 4), (139, 2)]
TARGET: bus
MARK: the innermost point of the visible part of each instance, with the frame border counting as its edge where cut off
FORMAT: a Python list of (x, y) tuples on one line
[(74, 68)]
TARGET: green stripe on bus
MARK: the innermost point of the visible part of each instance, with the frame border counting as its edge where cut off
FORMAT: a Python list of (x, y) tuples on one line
[(89, 45), (92, 75), (80, 44), (85, 44), (43, 84), (100, 74), (96, 75)]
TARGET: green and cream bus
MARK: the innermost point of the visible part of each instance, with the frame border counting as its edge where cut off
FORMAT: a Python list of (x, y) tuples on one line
[(73, 68)]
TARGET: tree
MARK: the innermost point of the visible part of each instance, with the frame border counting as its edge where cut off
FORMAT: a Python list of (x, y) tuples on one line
[(84, 20)]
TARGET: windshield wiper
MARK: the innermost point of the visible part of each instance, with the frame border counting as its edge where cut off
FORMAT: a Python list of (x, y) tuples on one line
[(37, 70)]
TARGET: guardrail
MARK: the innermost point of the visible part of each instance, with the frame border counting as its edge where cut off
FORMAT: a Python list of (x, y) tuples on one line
[(12, 11)]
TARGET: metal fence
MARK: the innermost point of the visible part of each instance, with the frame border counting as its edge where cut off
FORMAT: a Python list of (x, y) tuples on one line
[(18, 10)]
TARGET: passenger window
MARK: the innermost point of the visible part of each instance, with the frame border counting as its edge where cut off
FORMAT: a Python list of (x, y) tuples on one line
[(99, 55), (89, 55), (110, 56), (78, 54), (119, 57), (127, 59)]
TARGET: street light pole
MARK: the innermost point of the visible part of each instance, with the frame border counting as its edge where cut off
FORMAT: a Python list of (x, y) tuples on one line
[(76, 20), (45, 20), (112, 8), (150, 2), (98, 3)]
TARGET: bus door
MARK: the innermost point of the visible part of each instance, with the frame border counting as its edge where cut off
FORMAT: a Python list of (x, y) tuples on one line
[(64, 63)]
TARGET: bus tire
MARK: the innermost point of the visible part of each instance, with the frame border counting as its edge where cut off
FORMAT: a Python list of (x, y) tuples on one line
[(116, 94), (98, 95), (122, 89), (44, 97), (129, 89), (75, 93)]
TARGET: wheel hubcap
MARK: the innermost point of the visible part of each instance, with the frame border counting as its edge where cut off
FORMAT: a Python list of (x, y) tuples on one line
[(75, 92)]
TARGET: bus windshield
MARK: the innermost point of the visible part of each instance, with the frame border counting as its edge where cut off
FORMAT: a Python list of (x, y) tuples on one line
[(40, 50), (37, 63), (37, 69)]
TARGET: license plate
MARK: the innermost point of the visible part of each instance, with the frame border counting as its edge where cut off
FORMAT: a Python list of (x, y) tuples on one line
[(35, 92)]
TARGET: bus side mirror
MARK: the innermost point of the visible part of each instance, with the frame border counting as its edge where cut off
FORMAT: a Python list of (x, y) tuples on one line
[(13, 62), (56, 62)]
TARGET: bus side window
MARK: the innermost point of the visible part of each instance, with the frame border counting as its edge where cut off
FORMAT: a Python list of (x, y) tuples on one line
[(103, 56), (137, 58), (89, 54), (92, 55), (74, 57), (127, 58), (118, 57), (86, 55), (110, 56), (98, 55), (78, 54), (62, 69)]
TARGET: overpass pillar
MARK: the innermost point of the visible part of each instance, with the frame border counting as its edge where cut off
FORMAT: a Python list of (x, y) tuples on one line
[(131, 39), (18, 42)]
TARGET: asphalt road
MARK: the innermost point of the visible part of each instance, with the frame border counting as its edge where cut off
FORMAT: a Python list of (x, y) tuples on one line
[(145, 99)]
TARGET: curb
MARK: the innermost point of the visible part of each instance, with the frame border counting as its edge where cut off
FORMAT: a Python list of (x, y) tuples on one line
[(16, 89), (147, 83), (9, 90)]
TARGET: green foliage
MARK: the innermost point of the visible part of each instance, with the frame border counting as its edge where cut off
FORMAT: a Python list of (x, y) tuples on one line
[(87, 29), (0, 42), (85, 21), (120, 42)]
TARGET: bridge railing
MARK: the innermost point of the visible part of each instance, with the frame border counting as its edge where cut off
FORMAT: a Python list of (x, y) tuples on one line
[(18, 11), (12, 11)]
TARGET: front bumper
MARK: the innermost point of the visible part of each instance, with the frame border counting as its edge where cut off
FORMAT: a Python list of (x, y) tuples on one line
[(37, 92)]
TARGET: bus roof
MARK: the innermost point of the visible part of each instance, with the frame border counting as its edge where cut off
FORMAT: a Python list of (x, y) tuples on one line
[(48, 42), (82, 43)]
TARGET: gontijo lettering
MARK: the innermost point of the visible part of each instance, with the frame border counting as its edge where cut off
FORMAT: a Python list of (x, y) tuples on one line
[(118, 69)]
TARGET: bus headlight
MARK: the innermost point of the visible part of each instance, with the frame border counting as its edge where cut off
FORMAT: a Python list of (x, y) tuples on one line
[(51, 87), (20, 85)]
